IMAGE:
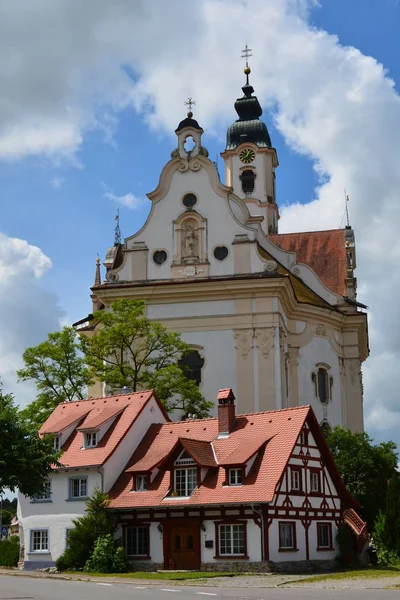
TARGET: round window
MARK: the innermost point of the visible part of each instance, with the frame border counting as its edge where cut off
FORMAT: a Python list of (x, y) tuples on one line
[(159, 257), (221, 252), (189, 200)]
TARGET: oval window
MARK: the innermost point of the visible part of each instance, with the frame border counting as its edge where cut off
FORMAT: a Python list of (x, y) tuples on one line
[(189, 200), (221, 252), (159, 257)]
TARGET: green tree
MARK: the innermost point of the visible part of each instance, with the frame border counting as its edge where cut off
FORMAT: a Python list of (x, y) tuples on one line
[(97, 522), (25, 458), (6, 517), (59, 372), (366, 468), (392, 514), (131, 351)]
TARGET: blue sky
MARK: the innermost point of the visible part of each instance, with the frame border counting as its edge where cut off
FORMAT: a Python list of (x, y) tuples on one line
[(55, 195)]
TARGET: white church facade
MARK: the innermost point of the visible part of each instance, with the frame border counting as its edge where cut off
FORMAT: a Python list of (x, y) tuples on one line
[(273, 316)]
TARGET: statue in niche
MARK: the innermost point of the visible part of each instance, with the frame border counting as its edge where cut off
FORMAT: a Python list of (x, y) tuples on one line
[(190, 243)]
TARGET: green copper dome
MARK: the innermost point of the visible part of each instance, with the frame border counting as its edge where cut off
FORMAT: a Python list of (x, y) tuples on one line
[(248, 127)]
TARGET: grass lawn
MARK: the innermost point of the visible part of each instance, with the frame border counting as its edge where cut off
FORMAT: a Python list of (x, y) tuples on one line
[(367, 573), (166, 576)]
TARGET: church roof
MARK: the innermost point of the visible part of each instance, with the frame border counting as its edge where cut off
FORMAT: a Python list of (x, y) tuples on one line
[(323, 251), (248, 127), (188, 122)]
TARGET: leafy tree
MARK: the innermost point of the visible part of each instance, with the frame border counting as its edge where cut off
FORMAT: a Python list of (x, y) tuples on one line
[(131, 351), (25, 459), (391, 532), (59, 372), (97, 522), (6, 517), (366, 468), (10, 505)]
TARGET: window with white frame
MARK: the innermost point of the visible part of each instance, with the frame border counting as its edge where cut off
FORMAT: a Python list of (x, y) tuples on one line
[(78, 487), (185, 479), (324, 536), (57, 443), (137, 541), (141, 483), (91, 439), (45, 496), (39, 540), (323, 384), (295, 475), (303, 437), (235, 477), (315, 481), (287, 536), (232, 540)]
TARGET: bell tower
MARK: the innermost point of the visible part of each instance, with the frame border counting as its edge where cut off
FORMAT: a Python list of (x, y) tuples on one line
[(250, 159)]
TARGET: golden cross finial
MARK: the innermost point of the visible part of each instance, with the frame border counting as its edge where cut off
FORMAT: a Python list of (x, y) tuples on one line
[(246, 53), (190, 103)]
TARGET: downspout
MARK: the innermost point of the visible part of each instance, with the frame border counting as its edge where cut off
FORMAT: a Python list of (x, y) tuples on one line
[(260, 514), (102, 479)]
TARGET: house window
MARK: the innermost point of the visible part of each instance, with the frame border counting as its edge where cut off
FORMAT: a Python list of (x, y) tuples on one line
[(315, 482), (324, 536), (45, 496), (235, 476), (141, 483), (185, 481), (303, 437), (137, 541), (67, 532), (323, 385), (57, 443), (295, 473), (192, 364), (232, 540), (91, 439), (287, 536), (39, 540), (78, 487), (247, 178)]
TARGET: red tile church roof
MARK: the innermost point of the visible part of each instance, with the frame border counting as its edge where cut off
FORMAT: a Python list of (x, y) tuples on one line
[(323, 251)]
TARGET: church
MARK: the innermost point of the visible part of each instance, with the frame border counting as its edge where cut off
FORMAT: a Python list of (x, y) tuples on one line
[(273, 316)]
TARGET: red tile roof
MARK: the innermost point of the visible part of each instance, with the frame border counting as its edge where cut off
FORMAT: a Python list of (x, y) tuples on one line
[(225, 394), (278, 430), (200, 451), (73, 455), (98, 416), (323, 251)]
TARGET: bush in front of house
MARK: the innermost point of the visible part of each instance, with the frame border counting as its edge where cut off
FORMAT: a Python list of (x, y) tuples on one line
[(107, 557), (97, 522), (9, 553)]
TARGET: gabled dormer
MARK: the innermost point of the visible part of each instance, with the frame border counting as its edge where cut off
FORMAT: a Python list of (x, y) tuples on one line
[(97, 423)]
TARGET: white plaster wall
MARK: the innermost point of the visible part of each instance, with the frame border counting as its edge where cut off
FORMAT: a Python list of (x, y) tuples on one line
[(190, 309), (253, 542), (313, 542), (114, 466), (274, 553), (57, 515), (317, 351), (156, 544), (159, 231), (219, 370)]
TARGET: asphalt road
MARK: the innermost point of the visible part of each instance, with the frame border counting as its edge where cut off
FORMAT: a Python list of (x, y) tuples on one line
[(24, 588)]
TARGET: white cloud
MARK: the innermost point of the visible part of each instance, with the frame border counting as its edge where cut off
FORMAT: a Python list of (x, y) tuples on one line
[(27, 313), (129, 200), (57, 182), (66, 68)]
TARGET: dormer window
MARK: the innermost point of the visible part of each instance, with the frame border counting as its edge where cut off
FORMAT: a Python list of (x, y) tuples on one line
[(185, 479), (141, 483), (235, 477), (91, 439), (57, 443)]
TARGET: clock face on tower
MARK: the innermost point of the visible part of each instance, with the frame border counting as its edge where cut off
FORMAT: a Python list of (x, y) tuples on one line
[(247, 155)]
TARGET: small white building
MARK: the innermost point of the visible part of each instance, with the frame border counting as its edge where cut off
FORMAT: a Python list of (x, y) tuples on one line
[(251, 491)]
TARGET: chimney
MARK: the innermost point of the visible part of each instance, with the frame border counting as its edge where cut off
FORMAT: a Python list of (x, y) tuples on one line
[(226, 411)]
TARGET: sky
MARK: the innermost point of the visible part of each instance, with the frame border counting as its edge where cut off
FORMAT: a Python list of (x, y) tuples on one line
[(90, 95)]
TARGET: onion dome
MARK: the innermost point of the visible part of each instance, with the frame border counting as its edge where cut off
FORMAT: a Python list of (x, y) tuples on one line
[(248, 127)]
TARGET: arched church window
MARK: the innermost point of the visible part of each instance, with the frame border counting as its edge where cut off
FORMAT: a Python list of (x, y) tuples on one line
[(221, 252), (159, 257), (189, 200), (192, 364), (247, 178), (323, 384)]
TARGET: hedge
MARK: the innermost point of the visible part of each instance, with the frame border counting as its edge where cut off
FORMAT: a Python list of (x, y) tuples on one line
[(9, 553)]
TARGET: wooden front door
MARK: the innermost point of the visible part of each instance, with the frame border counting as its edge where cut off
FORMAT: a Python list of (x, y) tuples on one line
[(184, 546)]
